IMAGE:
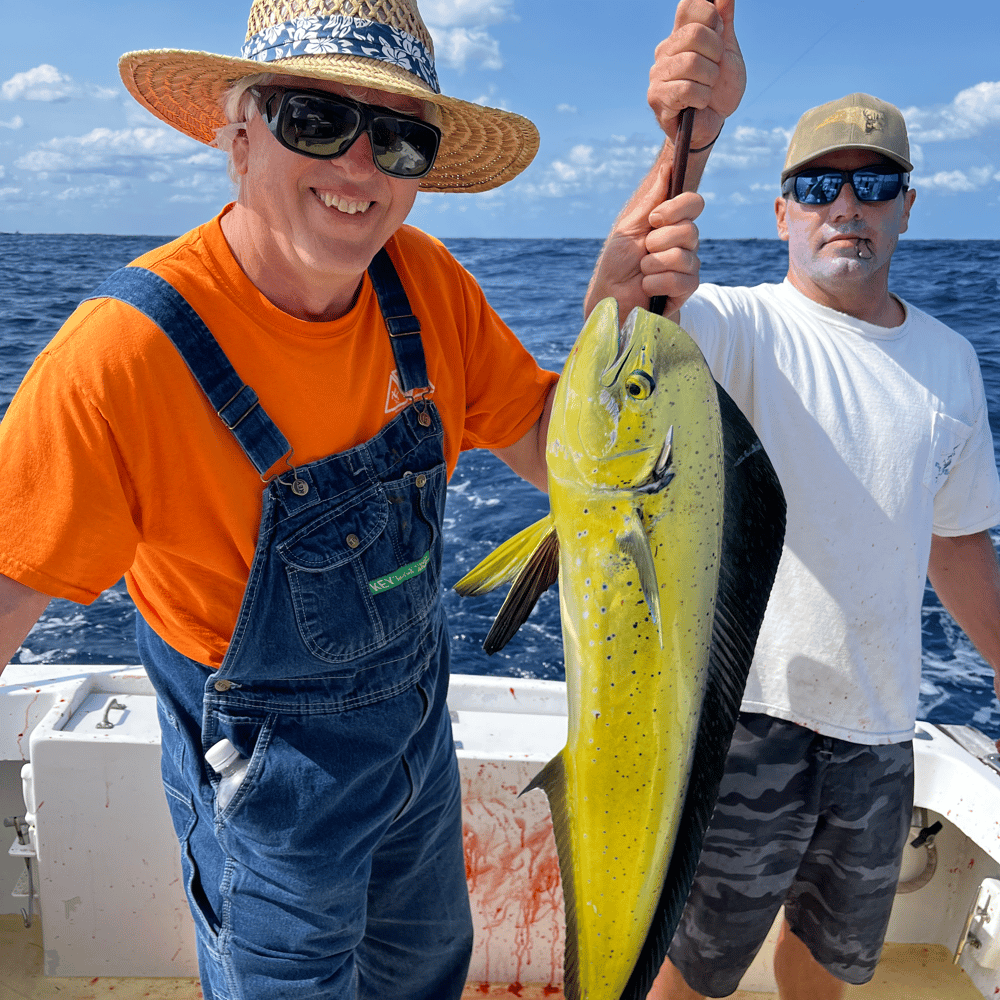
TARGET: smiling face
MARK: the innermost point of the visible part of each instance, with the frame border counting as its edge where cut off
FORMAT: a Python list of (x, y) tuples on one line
[(839, 253), (305, 230)]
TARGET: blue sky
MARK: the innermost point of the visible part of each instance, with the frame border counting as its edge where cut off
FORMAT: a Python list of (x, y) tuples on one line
[(77, 154)]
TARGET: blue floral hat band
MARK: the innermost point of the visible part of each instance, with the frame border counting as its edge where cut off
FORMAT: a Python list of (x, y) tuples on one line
[(344, 36), (380, 45)]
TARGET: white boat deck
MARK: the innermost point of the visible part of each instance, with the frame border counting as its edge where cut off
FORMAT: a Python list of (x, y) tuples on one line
[(505, 729), (916, 972)]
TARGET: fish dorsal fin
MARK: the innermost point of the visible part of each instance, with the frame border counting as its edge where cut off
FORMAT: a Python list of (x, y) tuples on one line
[(635, 544), (539, 573), (505, 561), (752, 535)]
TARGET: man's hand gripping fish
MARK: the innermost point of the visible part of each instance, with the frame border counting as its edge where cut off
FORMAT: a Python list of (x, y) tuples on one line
[(665, 531)]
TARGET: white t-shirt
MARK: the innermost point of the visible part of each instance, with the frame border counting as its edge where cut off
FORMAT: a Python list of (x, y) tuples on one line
[(879, 438)]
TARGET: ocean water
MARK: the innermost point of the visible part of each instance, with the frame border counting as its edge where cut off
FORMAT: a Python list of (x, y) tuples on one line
[(537, 286)]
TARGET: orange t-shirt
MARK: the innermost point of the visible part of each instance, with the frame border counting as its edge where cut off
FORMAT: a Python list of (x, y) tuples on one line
[(112, 460)]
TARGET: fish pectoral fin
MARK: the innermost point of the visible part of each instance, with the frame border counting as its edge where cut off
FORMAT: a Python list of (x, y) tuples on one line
[(635, 544), (505, 561), (539, 573)]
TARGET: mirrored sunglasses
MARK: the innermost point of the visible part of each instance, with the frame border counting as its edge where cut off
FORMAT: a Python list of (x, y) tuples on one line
[(325, 126), (821, 185)]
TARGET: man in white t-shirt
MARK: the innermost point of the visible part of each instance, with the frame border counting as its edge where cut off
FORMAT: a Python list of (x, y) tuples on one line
[(874, 416)]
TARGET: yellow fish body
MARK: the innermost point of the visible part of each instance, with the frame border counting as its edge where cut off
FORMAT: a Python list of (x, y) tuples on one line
[(645, 473)]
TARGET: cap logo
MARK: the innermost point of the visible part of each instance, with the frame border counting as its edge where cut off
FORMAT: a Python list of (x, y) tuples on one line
[(351, 36), (863, 118)]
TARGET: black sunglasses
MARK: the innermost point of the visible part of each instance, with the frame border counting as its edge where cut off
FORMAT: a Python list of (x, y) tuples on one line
[(323, 125), (821, 185)]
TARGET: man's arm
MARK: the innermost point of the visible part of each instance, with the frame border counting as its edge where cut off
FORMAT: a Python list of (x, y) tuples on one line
[(20, 607), (652, 247), (526, 456), (965, 574)]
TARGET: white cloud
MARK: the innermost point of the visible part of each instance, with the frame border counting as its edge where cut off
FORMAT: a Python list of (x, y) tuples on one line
[(566, 109), (464, 13), (957, 181), (16, 122), (43, 83), (199, 187), (91, 192), (489, 99), (745, 148), (589, 168), (105, 165), (112, 152), (208, 158), (46, 83), (972, 112), (457, 47), (458, 28)]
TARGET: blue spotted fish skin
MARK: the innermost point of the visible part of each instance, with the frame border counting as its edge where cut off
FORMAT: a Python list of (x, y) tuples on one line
[(635, 676)]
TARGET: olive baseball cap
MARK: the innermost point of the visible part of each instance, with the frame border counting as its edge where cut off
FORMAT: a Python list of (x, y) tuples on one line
[(858, 121)]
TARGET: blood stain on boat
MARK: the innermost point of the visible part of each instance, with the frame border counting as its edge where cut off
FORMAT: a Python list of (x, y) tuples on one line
[(513, 875)]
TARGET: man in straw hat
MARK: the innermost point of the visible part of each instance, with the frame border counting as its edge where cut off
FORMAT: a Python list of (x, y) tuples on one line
[(874, 416), (255, 425)]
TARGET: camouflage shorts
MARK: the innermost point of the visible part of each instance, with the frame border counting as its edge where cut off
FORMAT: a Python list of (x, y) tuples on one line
[(810, 821)]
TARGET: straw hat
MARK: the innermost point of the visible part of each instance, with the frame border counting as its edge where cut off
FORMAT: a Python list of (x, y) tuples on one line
[(382, 44)]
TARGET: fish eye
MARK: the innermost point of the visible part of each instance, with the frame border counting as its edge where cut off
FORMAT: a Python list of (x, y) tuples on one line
[(640, 385)]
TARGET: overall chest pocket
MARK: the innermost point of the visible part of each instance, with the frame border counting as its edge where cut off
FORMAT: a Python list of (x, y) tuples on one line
[(365, 576)]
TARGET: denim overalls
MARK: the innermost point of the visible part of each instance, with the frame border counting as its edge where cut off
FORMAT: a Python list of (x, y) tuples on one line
[(337, 870)]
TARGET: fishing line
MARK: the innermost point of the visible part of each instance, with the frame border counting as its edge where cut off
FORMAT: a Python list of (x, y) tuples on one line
[(798, 59)]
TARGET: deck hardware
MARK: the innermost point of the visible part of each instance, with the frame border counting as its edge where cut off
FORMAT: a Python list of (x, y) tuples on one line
[(967, 936), (927, 835), (20, 829), (982, 926), (925, 839), (113, 705), (23, 838)]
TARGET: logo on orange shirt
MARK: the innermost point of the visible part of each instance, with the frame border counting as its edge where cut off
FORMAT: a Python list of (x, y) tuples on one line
[(396, 399)]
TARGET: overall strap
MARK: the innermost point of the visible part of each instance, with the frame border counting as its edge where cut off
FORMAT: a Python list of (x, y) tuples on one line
[(235, 402), (403, 326)]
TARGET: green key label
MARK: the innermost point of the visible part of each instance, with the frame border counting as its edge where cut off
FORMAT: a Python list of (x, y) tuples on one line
[(404, 573)]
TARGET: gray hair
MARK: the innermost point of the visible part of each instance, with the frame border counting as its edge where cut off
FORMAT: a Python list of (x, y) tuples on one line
[(239, 107)]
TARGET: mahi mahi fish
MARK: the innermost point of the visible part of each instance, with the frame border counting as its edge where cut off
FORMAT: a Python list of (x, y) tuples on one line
[(665, 529)]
